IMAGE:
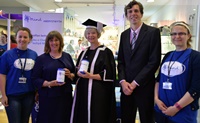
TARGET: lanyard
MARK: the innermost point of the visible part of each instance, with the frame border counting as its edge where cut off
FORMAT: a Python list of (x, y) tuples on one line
[(22, 67), (170, 65)]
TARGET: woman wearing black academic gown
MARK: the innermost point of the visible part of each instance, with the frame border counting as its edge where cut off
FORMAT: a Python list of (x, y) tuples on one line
[(94, 98)]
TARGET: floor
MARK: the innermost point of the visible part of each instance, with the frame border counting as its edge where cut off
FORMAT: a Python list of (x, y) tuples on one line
[(3, 117)]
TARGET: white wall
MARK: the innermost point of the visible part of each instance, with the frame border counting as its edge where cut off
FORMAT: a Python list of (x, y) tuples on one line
[(179, 10), (175, 10)]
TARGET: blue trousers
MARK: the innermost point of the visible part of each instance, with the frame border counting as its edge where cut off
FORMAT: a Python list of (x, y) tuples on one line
[(160, 118), (20, 107)]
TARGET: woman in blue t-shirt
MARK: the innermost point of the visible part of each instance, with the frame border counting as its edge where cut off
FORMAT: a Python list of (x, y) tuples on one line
[(177, 88), (15, 78)]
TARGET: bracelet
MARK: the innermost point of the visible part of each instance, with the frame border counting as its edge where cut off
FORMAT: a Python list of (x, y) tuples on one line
[(177, 106)]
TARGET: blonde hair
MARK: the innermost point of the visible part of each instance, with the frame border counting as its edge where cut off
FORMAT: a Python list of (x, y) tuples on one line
[(88, 29), (186, 26)]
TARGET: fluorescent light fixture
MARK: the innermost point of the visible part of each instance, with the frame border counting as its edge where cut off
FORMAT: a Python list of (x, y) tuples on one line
[(60, 10), (58, 0), (150, 1), (51, 10)]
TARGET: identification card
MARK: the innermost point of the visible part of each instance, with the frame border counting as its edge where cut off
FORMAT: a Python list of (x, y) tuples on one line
[(22, 80), (167, 85)]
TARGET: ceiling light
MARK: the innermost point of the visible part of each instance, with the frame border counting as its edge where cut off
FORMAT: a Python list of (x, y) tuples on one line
[(150, 1), (58, 0), (75, 15), (60, 10), (51, 10)]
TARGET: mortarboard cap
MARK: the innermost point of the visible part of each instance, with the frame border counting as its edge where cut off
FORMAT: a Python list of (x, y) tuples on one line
[(94, 24)]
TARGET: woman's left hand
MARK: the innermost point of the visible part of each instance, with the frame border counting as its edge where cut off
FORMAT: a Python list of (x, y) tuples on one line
[(67, 72), (85, 75), (171, 111)]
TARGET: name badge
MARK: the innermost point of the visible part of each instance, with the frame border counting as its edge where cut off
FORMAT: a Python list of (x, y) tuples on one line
[(22, 80), (167, 85)]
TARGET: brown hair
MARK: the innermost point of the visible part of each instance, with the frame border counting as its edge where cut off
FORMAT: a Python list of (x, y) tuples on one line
[(12, 39), (25, 29), (131, 4), (4, 35), (50, 36)]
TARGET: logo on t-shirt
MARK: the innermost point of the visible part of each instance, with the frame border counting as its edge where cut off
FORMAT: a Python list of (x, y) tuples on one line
[(175, 67), (29, 63)]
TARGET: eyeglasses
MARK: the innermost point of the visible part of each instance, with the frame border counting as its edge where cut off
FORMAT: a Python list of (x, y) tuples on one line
[(179, 34)]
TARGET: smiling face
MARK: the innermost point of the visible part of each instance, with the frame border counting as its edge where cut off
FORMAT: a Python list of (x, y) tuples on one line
[(180, 37), (134, 15), (23, 39), (54, 44), (3, 39), (92, 35)]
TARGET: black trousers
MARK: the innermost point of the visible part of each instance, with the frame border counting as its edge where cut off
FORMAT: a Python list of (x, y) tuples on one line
[(144, 103)]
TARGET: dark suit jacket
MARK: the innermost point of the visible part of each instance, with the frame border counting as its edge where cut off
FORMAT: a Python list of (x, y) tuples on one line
[(141, 63)]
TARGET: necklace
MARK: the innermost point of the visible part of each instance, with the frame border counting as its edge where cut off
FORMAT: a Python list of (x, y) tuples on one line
[(55, 57), (52, 57)]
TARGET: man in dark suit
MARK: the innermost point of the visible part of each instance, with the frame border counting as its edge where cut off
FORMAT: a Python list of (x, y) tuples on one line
[(138, 59)]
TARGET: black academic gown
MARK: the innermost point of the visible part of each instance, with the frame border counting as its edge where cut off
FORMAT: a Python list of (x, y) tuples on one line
[(94, 100)]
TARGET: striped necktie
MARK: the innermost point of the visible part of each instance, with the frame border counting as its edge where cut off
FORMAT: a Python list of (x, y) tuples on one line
[(133, 40)]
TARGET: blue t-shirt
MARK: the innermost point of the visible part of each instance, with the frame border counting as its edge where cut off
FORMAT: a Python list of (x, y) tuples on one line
[(3, 47), (175, 71), (10, 64)]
